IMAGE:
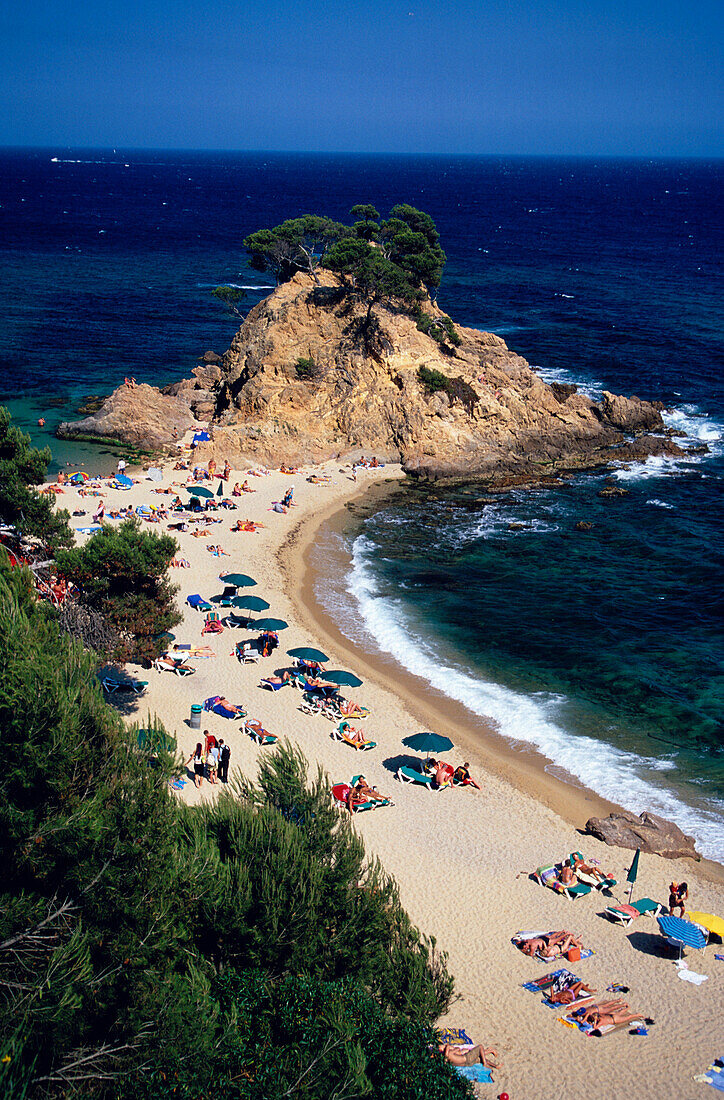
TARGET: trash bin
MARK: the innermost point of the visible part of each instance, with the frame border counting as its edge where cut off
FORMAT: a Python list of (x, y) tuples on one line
[(195, 721)]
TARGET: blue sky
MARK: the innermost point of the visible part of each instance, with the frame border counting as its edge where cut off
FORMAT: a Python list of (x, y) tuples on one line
[(568, 77)]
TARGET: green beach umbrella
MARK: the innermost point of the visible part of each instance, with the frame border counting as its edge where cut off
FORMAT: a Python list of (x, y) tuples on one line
[(632, 873), (270, 624), (238, 580), (428, 742), (199, 491), (220, 490), (305, 653), (251, 603), (344, 679)]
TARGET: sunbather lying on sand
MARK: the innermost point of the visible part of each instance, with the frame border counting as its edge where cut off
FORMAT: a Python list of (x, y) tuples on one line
[(609, 1014), (570, 994), (355, 737), (222, 702), (551, 945), (459, 1056), (283, 679)]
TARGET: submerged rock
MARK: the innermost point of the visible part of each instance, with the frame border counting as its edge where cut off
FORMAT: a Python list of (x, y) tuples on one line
[(647, 832), (584, 525)]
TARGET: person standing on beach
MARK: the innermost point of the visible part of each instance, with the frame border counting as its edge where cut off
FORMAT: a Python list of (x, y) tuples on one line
[(121, 466), (224, 757)]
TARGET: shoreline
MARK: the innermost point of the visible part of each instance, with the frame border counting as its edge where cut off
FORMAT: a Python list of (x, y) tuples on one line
[(523, 768)]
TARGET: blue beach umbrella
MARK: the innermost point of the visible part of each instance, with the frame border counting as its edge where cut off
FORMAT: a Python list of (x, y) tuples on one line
[(682, 930), (199, 491), (428, 742), (124, 481), (343, 679)]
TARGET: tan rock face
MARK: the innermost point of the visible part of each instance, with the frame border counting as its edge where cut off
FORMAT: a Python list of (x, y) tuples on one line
[(363, 394), (137, 415)]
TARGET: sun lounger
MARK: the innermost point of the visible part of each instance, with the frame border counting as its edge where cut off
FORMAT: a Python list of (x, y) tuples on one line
[(271, 685), (342, 734), (548, 876), (198, 603), (111, 684), (257, 731), (411, 775), (224, 600), (247, 654), (340, 794), (591, 880), (235, 621), (624, 914), (173, 664)]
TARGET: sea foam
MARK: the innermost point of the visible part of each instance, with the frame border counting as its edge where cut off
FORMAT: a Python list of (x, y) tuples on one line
[(622, 777)]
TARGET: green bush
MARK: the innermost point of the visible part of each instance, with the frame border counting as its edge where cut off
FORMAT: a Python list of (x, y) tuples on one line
[(440, 329), (306, 368), (122, 574), (245, 949), (22, 467), (456, 388)]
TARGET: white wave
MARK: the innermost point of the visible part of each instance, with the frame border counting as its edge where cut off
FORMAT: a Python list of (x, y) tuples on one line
[(656, 466), (698, 426), (526, 719), (660, 504), (587, 386), (237, 286)]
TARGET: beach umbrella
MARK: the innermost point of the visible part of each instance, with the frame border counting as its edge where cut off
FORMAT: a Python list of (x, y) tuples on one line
[(154, 473), (632, 873), (251, 603), (305, 653), (199, 491), (270, 624), (708, 921), (344, 679), (238, 580), (123, 481), (682, 930), (78, 476), (428, 742), (220, 490)]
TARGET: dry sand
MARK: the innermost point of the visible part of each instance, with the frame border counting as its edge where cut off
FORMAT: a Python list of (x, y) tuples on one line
[(461, 857)]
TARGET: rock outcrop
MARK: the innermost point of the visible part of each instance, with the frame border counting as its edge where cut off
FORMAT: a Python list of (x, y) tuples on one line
[(140, 416), (647, 832), (316, 373)]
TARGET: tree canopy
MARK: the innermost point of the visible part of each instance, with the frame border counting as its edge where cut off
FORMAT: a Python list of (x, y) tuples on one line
[(397, 258), (122, 573), (22, 467), (245, 949)]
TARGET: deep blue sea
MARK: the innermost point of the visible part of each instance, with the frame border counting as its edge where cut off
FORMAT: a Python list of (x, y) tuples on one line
[(604, 649)]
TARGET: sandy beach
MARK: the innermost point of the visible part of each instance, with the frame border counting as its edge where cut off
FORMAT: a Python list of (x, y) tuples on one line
[(462, 857)]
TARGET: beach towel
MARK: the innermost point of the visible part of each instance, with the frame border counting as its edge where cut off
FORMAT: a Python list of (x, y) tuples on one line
[(454, 1035), (475, 1073), (688, 975)]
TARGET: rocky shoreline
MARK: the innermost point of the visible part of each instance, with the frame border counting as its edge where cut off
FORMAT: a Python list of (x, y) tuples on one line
[(314, 374)]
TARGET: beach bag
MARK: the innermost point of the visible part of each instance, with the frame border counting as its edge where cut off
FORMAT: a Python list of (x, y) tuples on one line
[(574, 954)]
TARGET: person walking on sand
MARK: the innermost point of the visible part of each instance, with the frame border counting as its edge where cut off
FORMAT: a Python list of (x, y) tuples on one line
[(212, 762), (197, 758), (224, 758)]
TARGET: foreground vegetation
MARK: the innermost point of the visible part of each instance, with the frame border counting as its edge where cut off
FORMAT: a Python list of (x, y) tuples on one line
[(247, 949)]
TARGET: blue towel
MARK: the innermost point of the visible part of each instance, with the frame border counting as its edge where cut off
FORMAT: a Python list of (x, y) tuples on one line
[(475, 1073)]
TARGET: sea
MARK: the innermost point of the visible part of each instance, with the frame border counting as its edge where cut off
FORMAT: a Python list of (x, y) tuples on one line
[(601, 648)]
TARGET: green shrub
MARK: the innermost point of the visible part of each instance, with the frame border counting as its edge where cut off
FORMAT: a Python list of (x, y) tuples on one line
[(456, 388), (306, 368), (440, 329)]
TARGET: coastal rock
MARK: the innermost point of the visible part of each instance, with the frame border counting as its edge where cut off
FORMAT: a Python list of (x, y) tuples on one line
[(139, 416), (584, 525), (631, 414), (312, 375), (613, 491), (647, 832)]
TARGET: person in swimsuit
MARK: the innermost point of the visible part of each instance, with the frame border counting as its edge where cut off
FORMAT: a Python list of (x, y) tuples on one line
[(197, 757), (456, 1056), (462, 775), (677, 897), (570, 994), (551, 945), (609, 1014), (587, 869), (369, 793)]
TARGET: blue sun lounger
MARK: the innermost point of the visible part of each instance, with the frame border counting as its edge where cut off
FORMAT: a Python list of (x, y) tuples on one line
[(198, 603)]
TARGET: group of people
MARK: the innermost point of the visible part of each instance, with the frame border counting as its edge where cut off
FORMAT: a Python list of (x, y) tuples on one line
[(361, 792), (210, 760), (444, 775)]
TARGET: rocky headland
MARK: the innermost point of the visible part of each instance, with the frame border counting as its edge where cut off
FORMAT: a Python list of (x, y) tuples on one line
[(316, 373)]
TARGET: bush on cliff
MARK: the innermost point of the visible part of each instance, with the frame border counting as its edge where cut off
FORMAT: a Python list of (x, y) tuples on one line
[(245, 949), (22, 467), (122, 574)]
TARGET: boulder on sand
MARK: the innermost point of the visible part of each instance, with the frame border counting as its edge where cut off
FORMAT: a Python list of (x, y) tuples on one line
[(647, 832)]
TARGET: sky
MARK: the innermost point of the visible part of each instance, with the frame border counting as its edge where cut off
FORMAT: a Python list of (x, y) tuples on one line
[(600, 77)]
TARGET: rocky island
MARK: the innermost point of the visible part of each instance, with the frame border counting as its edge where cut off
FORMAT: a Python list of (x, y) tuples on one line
[(338, 363)]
